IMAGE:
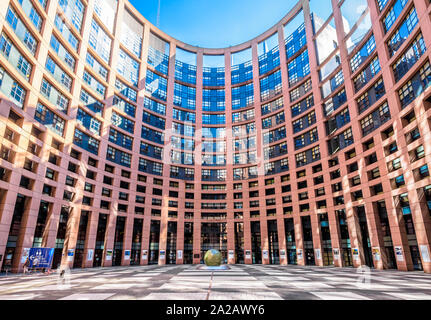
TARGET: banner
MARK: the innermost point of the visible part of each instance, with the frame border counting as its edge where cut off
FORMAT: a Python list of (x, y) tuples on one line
[(70, 254), (376, 253), (90, 254), (179, 254), (40, 257), (247, 254), (424, 253), (108, 255), (265, 254), (231, 254), (282, 254), (162, 254), (25, 253), (318, 254), (355, 253), (144, 254), (127, 255), (336, 252), (399, 253), (299, 254)]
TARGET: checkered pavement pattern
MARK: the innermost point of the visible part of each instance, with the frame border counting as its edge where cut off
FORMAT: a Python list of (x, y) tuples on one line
[(240, 282)]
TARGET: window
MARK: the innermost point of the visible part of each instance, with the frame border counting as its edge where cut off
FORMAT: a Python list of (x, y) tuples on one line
[(18, 93), (14, 56), (362, 54), (49, 119), (59, 74), (155, 106), (105, 10), (420, 152), (100, 41), (271, 59), (242, 96), (74, 11), (298, 68), (183, 71), (416, 85), (393, 14), (158, 54), (396, 164), (128, 68), (423, 171), (66, 32), (126, 91), (270, 86), (156, 85), (21, 30), (94, 84), (62, 52), (242, 72), (399, 181), (213, 100)]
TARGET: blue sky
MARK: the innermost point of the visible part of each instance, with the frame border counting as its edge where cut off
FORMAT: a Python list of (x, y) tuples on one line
[(214, 23), (224, 23)]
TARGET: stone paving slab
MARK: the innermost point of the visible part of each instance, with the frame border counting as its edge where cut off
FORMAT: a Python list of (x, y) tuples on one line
[(177, 296), (339, 295), (88, 296), (244, 296), (410, 296)]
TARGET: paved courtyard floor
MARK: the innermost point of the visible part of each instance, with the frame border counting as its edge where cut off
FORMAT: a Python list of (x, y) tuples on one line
[(241, 282)]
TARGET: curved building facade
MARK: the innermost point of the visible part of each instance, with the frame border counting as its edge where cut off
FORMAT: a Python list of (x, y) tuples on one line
[(308, 144)]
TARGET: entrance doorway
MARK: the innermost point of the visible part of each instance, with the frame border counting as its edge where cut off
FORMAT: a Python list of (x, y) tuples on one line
[(214, 236)]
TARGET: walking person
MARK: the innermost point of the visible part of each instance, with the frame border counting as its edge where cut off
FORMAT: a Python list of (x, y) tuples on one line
[(26, 264), (63, 281), (62, 272)]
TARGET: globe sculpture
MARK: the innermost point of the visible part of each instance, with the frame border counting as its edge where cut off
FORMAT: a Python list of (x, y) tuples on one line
[(213, 258)]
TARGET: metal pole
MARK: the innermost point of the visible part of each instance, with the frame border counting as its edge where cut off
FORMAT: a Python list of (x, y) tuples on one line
[(158, 15)]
